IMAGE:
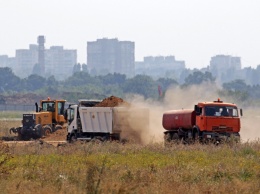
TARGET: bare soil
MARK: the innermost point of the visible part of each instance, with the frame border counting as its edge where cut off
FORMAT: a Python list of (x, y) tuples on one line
[(112, 101), (59, 135)]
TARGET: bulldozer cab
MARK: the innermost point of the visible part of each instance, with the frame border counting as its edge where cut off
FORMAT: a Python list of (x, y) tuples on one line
[(56, 107)]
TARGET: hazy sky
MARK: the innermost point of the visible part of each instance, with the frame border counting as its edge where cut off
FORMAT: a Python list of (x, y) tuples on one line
[(191, 30)]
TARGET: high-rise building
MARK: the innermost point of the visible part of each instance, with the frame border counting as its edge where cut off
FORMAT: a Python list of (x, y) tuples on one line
[(224, 62), (6, 61), (160, 66), (225, 68), (60, 62), (25, 60), (55, 61), (41, 58), (111, 56)]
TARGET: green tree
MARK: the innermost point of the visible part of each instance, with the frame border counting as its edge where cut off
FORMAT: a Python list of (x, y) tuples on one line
[(82, 78), (115, 78), (35, 82), (165, 83), (236, 85), (84, 67), (52, 85), (76, 68), (199, 77), (36, 69), (236, 89), (9, 81), (143, 85), (51, 81)]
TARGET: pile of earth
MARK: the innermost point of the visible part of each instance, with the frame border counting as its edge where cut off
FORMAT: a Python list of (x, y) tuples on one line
[(59, 135), (112, 101)]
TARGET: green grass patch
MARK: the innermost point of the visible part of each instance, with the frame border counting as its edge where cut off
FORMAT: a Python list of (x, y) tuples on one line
[(129, 168), (11, 114)]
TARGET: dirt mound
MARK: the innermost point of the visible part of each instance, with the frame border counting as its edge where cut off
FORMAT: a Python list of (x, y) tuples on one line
[(59, 135), (112, 101)]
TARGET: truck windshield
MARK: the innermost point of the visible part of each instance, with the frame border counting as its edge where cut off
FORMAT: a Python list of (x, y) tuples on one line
[(48, 106), (226, 111), (70, 113), (61, 108)]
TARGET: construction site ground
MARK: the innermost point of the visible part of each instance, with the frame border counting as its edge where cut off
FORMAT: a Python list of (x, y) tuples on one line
[(60, 135)]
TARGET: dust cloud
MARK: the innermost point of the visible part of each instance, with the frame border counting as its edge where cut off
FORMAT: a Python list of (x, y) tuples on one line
[(186, 98), (153, 131), (175, 98), (250, 124)]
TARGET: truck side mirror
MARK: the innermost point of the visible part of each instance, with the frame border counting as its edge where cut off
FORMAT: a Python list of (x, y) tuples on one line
[(197, 109), (65, 114), (36, 107), (241, 112)]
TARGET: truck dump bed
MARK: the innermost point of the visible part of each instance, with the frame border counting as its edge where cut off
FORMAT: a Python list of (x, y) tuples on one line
[(96, 119), (114, 119)]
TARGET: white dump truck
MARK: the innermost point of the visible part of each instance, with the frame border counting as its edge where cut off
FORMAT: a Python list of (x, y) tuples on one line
[(86, 122)]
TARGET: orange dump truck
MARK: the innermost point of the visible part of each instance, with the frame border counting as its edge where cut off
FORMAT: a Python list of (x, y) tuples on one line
[(215, 121)]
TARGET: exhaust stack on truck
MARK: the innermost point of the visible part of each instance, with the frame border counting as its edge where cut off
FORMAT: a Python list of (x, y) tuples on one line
[(215, 121)]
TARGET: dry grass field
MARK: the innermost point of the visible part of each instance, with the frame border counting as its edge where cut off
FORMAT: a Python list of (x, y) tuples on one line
[(116, 168), (6, 124), (112, 167)]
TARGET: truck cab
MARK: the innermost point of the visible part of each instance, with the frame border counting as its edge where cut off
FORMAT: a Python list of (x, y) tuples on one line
[(54, 108), (218, 119), (72, 115)]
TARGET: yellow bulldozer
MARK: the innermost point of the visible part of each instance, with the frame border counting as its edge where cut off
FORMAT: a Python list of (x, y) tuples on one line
[(48, 118)]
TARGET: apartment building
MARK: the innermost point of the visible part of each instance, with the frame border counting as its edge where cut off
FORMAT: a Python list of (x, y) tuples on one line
[(225, 68), (55, 61), (25, 60), (60, 62), (111, 56), (160, 66)]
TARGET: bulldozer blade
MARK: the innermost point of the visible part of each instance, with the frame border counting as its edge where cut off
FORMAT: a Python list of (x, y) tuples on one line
[(13, 130)]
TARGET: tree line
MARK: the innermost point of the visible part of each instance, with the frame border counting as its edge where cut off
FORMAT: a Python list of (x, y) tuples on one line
[(83, 85)]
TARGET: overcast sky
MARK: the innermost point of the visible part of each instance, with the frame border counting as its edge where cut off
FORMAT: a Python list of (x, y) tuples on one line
[(191, 30)]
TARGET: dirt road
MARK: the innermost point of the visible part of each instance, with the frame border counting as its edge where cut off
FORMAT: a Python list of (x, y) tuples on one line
[(21, 143)]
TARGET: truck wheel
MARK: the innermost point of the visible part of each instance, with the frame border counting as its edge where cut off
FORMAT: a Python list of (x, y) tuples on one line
[(72, 138), (196, 136), (97, 140), (175, 138), (167, 139), (47, 131), (19, 137), (114, 137), (23, 137), (38, 130), (57, 127), (233, 139)]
